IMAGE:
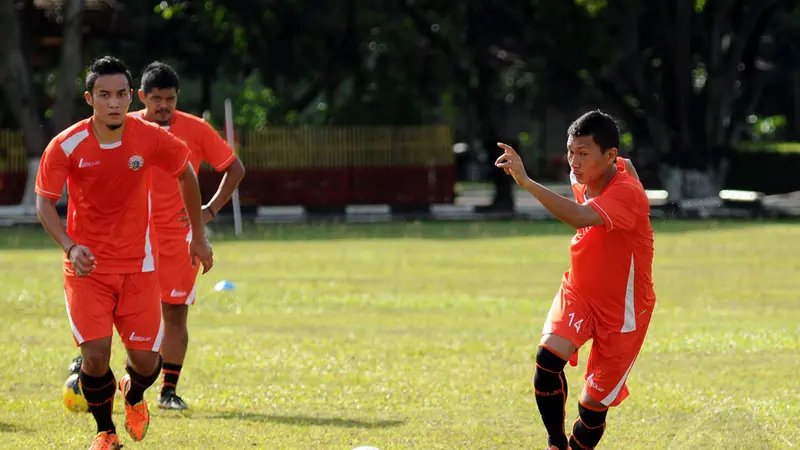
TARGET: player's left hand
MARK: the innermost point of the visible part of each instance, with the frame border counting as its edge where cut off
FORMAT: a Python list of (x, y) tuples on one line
[(207, 215), (511, 163), (184, 218), (201, 249)]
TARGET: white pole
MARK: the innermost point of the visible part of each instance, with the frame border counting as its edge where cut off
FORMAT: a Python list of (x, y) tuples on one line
[(237, 212)]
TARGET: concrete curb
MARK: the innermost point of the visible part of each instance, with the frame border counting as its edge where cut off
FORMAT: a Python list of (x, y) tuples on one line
[(784, 205)]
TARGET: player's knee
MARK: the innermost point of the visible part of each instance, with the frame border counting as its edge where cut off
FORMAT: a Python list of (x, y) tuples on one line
[(144, 362), (591, 416), (587, 401), (96, 363), (549, 367), (96, 357), (548, 361), (175, 315), (176, 331)]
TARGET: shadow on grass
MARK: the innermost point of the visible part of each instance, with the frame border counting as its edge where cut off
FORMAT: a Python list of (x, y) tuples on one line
[(306, 421), (33, 237), (13, 428)]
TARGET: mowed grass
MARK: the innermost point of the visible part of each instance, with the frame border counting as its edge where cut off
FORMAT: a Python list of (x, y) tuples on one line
[(422, 336)]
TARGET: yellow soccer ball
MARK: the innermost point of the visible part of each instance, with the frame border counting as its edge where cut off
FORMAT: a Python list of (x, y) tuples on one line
[(73, 395)]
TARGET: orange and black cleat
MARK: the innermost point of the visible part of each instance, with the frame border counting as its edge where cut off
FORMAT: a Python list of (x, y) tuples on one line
[(137, 417), (106, 441)]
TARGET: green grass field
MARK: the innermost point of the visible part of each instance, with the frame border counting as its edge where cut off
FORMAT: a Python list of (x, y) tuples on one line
[(422, 336)]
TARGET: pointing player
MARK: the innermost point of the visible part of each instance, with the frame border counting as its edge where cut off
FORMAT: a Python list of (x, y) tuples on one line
[(159, 93), (109, 264), (607, 294)]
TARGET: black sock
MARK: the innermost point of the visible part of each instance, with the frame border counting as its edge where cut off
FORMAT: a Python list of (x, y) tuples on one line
[(99, 394), (172, 373), (550, 385), (588, 428), (140, 383)]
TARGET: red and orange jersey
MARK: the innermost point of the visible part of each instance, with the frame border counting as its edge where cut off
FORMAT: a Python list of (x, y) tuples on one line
[(109, 208), (611, 264), (205, 145)]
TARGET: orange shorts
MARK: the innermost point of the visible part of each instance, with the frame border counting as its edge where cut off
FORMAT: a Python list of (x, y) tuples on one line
[(613, 353), (176, 275), (98, 302)]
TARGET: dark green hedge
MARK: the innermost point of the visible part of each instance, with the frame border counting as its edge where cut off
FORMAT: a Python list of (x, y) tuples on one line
[(768, 171)]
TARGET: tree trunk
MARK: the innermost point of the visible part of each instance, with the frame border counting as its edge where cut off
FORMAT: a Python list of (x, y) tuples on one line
[(206, 84), (15, 80), (70, 65), (699, 158), (483, 102)]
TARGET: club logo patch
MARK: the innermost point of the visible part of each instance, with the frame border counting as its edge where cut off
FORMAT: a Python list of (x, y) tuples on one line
[(135, 162)]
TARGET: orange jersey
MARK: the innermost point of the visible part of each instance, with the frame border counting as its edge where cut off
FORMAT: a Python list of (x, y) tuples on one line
[(109, 203), (205, 145), (611, 264)]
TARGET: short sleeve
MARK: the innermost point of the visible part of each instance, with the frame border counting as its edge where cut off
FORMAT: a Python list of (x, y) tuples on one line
[(618, 206), (53, 171), (215, 151), (171, 154)]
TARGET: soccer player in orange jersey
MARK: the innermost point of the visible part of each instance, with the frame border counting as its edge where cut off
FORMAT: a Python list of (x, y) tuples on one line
[(159, 93), (607, 295), (109, 255)]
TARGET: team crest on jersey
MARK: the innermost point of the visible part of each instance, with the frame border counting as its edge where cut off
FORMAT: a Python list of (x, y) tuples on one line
[(135, 162)]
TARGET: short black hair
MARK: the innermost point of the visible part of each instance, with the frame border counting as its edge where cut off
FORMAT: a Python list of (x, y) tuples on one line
[(600, 126), (159, 75), (106, 65)]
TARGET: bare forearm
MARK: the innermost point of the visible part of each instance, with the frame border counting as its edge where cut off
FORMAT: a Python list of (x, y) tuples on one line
[(563, 208), (230, 181), (192, 200), (51, 221)]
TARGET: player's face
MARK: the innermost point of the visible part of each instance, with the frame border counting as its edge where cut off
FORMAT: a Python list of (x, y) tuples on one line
[(110, 98), (159, 104), (587, 160)]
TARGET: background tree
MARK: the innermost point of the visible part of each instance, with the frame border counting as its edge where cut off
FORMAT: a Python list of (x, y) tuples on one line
[(16, 77)]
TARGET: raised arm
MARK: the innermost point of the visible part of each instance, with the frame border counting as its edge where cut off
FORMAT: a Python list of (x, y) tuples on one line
[(217, 153), (629, 168), (564, 209)]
